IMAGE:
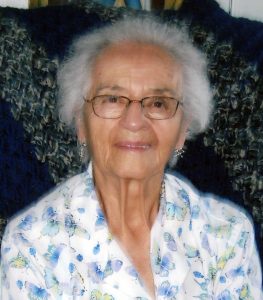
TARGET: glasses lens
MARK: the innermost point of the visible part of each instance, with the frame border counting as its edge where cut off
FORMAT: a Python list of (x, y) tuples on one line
[(109, 106), (159, 107)]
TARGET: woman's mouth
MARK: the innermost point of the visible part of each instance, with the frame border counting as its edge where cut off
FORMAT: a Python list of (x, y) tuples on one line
[(133, 146)]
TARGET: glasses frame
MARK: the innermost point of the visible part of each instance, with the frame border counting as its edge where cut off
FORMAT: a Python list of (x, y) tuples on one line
[(92, 101)]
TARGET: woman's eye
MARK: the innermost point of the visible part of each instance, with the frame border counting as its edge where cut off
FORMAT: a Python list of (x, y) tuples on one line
[(158, 104), (113, 99)]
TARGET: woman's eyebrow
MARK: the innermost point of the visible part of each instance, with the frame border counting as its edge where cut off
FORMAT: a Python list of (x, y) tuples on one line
[(99, 89), (152, 91), (163, 91)]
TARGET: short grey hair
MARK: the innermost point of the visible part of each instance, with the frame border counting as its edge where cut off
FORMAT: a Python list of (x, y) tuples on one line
[(75, 74)]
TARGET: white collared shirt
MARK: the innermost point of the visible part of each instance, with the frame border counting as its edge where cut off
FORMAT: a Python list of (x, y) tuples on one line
[(61, 248)]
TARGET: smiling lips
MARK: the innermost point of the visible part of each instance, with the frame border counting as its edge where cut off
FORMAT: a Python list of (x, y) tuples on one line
[(133, 146)]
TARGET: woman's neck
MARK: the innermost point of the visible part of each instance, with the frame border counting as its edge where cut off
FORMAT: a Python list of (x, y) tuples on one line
[(130, 207), (128, 204)]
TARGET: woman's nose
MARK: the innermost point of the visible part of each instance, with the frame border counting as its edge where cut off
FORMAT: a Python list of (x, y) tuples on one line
[(133, 118)]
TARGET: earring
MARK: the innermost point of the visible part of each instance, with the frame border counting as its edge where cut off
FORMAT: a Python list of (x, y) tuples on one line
[(82, 151), (177, 153)]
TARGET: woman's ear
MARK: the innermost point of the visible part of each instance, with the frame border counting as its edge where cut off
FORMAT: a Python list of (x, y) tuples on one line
[(80, 129), (183, 133)]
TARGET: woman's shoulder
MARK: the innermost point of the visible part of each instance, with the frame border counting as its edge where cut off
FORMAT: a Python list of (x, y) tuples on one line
[(218, 226), (221, 233), (49, 207), (214, 211)]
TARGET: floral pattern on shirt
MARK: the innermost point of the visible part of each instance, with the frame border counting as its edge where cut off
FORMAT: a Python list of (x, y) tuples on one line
[(61, 248)]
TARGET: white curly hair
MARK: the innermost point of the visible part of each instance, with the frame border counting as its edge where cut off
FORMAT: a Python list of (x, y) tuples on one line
[(75, 73)]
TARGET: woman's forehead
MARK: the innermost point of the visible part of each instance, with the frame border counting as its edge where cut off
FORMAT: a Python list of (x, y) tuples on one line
[(124, 65)]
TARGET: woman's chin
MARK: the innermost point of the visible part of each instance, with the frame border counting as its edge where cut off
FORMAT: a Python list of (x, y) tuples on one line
[(137, 170), (126, 165)]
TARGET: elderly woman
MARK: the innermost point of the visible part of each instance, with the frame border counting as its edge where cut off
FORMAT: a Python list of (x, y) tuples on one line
[(126, 229)]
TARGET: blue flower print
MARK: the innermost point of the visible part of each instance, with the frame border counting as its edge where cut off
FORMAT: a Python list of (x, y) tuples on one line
[(98, 295), (81, 210), (243, 239), (174, 211), (134, 274), (179, 231), (205, 244), (71, 267), (95, 272), (52, 282), (66, 194), (96, 249), (190, 251), (221, 231), (225, 295), (203, 296), (195, 211), (52, 226), (170, 241), (201, 280), (79, 257), (198, 274), (100, 221), (26, 222), (19, 284), (70, 224), (32, 251), (73, 229), (89, 188), (167, 290), (236, 272), (244, 293), (19, 262), (19, 237), (52, 256), (227, 255), (203, 284), (35, 292), (113, 265), (49, 213), (162, 265), (98, 274), (50, 279), (185, 198)]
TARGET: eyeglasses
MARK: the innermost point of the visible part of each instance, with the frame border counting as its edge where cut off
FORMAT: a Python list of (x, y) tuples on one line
[(153, 107)]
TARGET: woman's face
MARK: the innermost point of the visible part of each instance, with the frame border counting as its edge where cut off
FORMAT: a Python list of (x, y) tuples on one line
[(133, 146)]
